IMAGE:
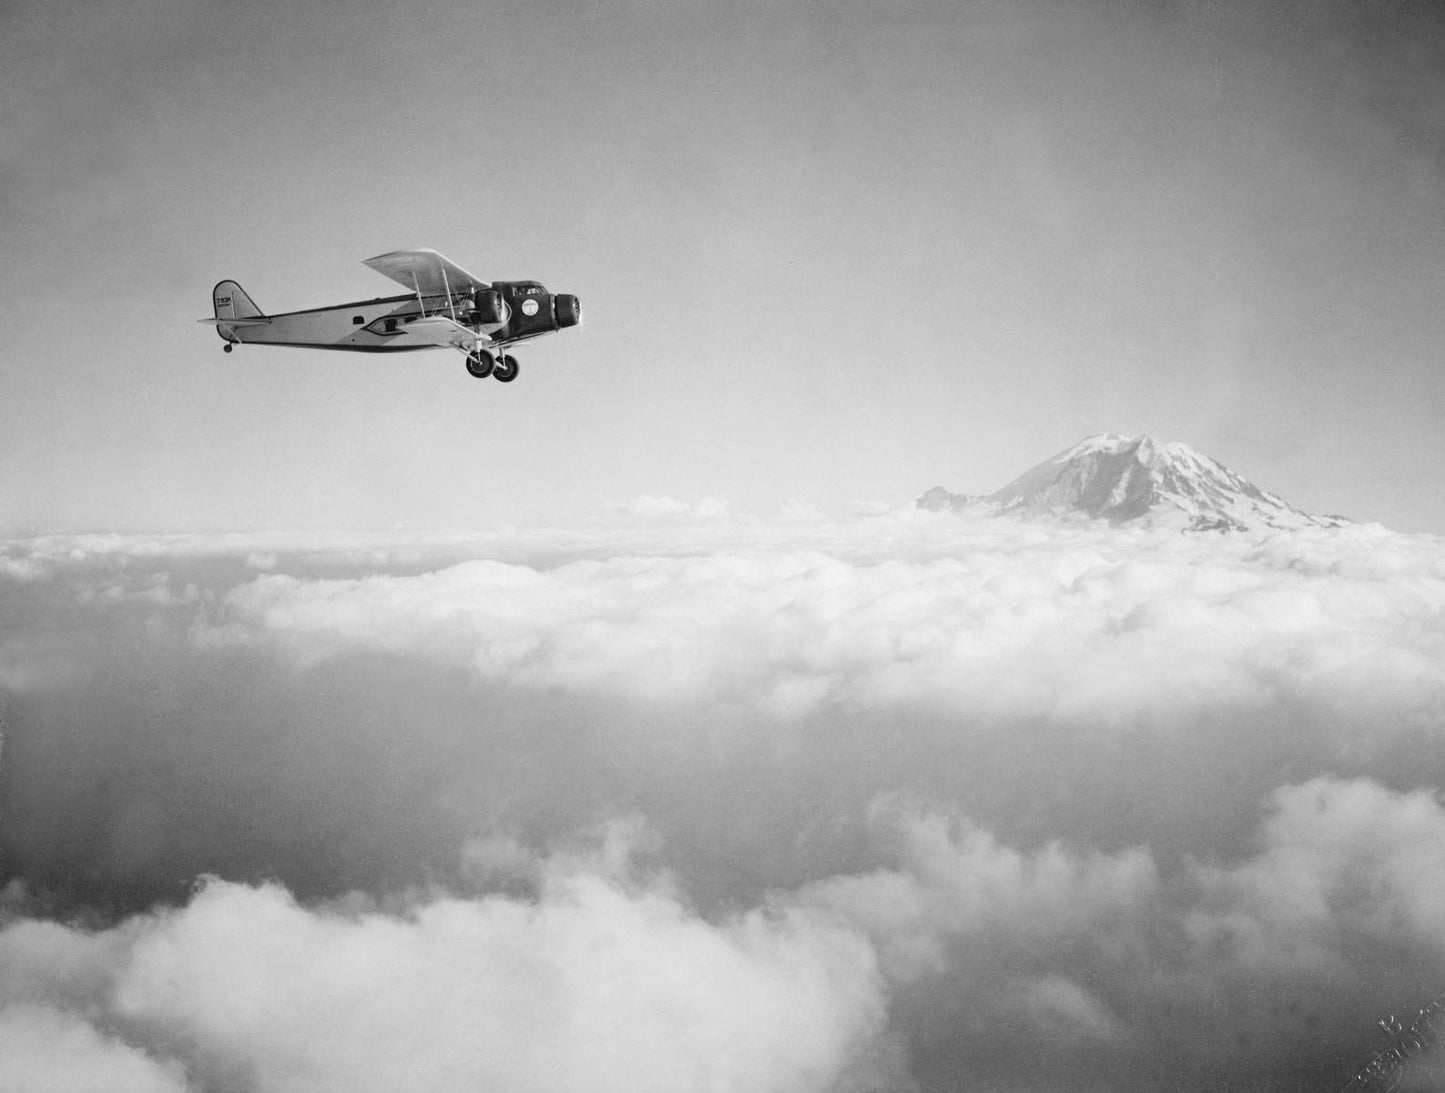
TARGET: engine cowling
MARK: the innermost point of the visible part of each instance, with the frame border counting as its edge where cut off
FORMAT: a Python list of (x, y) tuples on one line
[(488, 307), (568, 310)]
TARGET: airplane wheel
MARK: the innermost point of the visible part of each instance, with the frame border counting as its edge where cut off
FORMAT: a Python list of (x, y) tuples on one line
[(480, 364), (227, 347), (506, 370)]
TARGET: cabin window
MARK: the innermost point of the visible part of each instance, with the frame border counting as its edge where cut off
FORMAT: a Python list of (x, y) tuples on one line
[(358, 320), (391, 326)]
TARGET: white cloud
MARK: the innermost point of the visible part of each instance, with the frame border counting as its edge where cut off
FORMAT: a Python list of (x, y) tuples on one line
[(1064, 731), (43, 1050), (1083, 624), (1333, 921), (1045, 965), (155, 588), (23, 569), (590, 988), (1341, 858), (954, 881)]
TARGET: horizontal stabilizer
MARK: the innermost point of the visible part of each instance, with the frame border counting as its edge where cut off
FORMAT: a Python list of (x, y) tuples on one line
[(259, 320)]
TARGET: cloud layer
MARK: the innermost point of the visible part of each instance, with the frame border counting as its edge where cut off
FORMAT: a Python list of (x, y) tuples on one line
[(999, 964), (907, 802), (1092, 628), (589, 986)]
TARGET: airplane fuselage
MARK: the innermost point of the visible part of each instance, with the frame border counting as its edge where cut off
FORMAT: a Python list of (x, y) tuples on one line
[(447, 307), (380, 325)]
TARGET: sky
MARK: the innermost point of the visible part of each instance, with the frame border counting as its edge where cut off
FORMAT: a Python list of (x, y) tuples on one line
[(826, 252)]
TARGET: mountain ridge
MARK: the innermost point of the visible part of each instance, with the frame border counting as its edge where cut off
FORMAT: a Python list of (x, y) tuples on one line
[(1135, 480)]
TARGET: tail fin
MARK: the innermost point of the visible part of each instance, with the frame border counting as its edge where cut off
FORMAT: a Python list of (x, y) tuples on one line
[(232, 302)]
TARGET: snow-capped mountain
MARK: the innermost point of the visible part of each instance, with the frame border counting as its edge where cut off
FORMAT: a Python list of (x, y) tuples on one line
[(1136, 479)]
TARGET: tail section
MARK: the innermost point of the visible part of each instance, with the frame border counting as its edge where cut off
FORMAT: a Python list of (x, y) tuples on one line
[(232, 302)]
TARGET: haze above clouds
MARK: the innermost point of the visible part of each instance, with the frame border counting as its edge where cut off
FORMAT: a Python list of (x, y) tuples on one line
[(824, 250)]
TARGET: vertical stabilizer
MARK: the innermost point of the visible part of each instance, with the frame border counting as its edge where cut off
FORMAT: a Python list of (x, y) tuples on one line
[(232, 302)]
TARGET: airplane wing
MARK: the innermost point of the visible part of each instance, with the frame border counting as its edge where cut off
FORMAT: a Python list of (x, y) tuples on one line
[(439, 330), (426, 272)]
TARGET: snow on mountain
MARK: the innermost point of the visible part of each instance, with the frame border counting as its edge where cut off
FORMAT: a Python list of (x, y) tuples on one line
[(1135, 479)]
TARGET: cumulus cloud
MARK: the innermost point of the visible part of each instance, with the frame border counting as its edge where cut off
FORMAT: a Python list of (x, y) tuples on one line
[(1113, 955), (1022, 806), (590, 986), (955, 879), (1091, 627), (50, 1051), (1049, 967), (22, 569), (1340, 858)]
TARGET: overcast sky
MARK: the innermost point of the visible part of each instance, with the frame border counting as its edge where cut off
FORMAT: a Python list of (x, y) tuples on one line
[(828, 251)]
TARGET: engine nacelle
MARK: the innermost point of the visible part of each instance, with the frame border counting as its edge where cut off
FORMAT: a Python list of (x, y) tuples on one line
[(567, 309), (532, 310), (488, 307)]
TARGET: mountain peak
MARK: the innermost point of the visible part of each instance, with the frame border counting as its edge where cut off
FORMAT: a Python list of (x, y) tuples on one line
[(1125, 479)]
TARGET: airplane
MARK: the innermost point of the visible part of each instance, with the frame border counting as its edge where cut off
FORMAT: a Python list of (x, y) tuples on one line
[(446, 307)]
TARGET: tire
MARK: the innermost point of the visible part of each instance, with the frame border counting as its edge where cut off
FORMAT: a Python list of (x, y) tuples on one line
[(506, 370), (480, 364)]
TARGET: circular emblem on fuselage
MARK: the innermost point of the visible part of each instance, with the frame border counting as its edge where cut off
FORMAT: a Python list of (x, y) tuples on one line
[(529, 307)]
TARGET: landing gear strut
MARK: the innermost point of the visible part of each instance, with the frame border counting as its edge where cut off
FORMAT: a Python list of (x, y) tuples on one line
[(480, 363)]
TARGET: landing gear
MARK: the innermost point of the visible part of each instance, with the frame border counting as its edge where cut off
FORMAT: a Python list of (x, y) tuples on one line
[(227, 347), (480, 363)]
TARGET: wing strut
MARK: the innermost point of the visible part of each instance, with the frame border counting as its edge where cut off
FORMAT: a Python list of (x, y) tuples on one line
[(448, 286)]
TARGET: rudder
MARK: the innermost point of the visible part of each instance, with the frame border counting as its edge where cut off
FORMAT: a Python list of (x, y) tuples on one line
[(231, 302)]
